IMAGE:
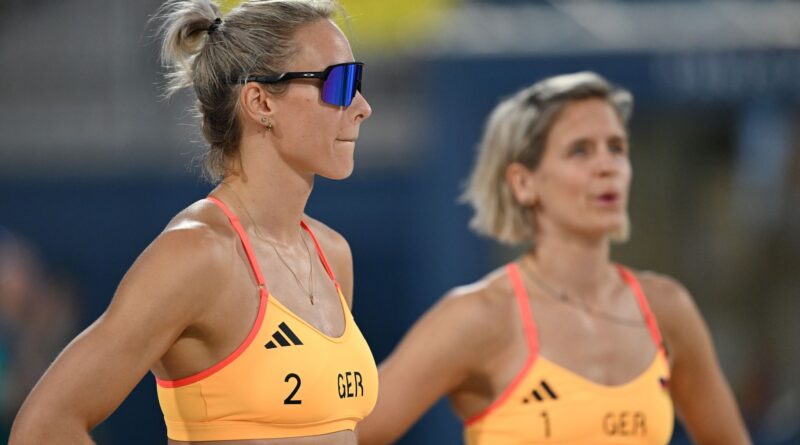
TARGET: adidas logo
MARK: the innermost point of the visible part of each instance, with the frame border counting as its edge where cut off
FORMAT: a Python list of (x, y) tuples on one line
[(278, 337), (540, 394)]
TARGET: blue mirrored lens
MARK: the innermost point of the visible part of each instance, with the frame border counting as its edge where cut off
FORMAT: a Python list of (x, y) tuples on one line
[(341, 85)]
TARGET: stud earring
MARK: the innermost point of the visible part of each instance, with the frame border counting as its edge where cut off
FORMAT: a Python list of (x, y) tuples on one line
[(266, 122)]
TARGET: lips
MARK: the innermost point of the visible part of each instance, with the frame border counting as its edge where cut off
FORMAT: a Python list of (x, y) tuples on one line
[(608, 197)]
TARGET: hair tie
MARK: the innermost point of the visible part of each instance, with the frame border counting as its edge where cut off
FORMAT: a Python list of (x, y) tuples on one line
[(215, 25)]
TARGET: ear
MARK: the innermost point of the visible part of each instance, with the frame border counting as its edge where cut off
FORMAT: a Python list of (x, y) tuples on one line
[(522, 182), (256, 102)]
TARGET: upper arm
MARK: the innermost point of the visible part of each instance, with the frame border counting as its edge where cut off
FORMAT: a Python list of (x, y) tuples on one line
[(697, 385), (156, 300), (435, 356)]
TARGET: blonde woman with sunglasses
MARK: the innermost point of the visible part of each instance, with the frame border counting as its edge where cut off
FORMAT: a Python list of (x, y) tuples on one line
[(240, 307)]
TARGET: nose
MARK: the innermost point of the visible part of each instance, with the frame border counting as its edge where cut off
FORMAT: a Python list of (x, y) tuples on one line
[(360, 107), (607, 163)]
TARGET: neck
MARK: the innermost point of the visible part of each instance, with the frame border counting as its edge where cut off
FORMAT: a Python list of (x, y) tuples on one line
[(269, 194), (580, 267)]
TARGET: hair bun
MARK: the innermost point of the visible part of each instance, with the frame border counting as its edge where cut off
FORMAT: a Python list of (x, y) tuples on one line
[(214, 25)]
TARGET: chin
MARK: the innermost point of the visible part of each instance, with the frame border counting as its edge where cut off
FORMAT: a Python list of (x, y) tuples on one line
[(340, 163), (342, 172), (616, 228), (620, 232)]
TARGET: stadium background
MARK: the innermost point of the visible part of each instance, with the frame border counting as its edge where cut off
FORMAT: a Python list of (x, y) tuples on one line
[(93, 164)]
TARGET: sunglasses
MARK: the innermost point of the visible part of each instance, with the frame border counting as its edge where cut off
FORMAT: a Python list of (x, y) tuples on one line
[(339, 82)]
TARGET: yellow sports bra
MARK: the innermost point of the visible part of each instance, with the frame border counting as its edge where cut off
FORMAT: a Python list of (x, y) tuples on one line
[(287, 379), (546, 403)]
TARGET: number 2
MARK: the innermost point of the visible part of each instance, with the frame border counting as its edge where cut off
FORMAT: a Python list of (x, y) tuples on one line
[(289, 400)]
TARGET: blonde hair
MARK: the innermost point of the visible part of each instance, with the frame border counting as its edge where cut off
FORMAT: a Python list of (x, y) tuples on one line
[(255, 38), (517, 131)]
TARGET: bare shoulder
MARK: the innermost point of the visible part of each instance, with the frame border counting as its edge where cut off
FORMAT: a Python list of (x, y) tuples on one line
[(455, 335), (200, 236), (486, 295), (671, 302), (477, 310), (188, 260)]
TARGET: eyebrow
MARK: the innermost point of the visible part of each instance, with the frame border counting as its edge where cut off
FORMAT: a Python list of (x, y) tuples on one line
[(615, 138)]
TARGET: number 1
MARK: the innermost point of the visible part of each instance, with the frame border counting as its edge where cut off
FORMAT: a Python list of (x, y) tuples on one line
[(546, 418)]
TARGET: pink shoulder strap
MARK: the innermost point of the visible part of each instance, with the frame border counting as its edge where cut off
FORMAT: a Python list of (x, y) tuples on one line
[(524, 308), (530, 335), (649, 318), (319, 252), (237, 226)]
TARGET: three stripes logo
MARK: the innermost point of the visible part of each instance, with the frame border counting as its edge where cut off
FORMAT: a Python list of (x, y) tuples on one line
[(278, 336), (542, 393)]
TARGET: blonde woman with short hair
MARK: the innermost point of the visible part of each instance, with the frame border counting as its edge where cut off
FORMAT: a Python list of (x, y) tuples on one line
[(561, 345)]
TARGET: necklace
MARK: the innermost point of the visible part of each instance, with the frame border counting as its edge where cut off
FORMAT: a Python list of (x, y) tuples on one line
[(310, 290), (578, 303)]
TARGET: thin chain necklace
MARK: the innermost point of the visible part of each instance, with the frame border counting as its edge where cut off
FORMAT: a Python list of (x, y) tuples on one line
[(578, 303), (310, 290)]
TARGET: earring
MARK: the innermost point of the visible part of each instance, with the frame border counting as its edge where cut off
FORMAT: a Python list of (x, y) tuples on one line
[(266, 122)]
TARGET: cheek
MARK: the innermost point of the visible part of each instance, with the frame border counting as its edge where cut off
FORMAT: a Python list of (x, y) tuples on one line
[(322, 123), (312, 131), (558, 194), (311, 128), (566, 186), (626, 174)]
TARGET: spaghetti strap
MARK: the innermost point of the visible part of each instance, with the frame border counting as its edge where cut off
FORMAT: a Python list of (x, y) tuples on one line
[(524, 308), (530, 335), (251, 256), (320, 252), (644, 306)]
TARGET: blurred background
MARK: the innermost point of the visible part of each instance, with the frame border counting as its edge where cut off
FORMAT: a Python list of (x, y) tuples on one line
[(93, 165)]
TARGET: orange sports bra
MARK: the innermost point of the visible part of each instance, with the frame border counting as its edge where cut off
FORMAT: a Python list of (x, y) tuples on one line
[(286, 379), (546, 403)]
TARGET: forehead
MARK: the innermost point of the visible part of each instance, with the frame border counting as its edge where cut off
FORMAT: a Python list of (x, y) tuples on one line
[(321, 44), (593, 117)]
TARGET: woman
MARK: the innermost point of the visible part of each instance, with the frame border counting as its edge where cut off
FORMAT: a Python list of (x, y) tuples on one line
[(234, 307), (560, 346)]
